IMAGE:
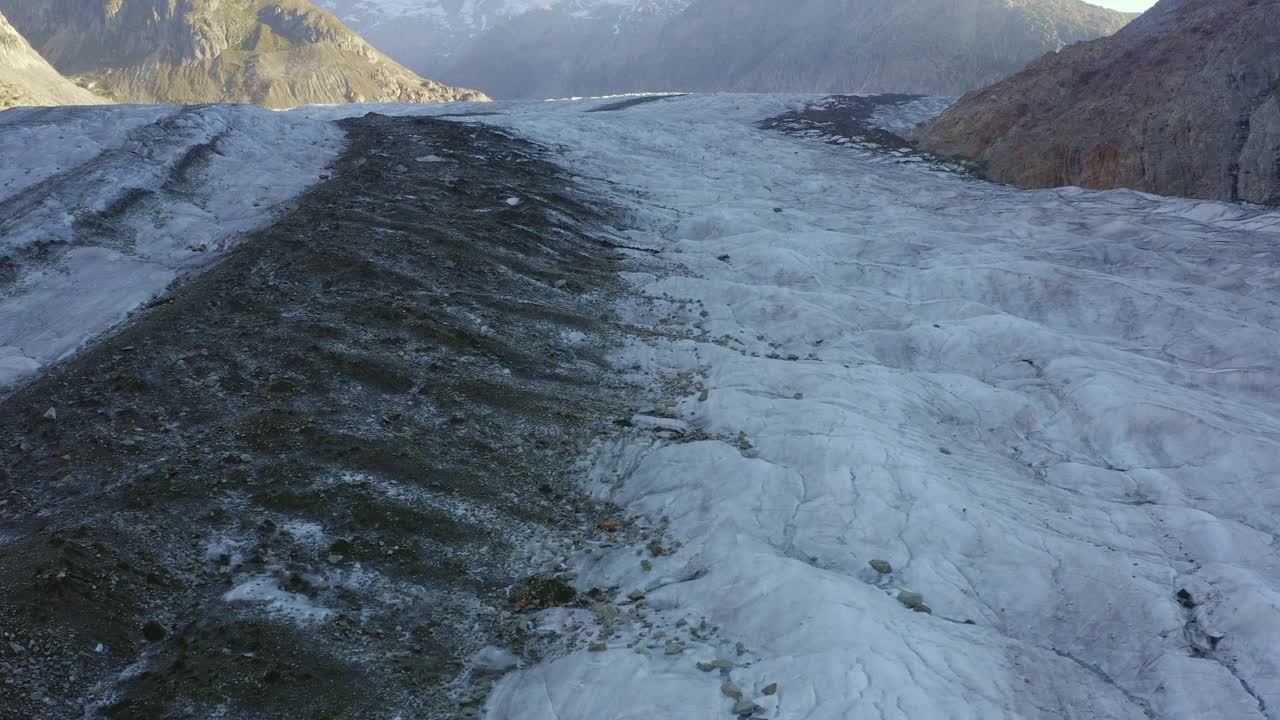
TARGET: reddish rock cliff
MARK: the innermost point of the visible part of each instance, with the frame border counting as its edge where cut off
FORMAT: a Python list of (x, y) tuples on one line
[(1183, 101)]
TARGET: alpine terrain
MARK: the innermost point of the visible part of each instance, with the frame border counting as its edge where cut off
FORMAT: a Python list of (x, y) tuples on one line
[(1184, 101), (655, 406), (703, 406), (566, 48), (26, 79), (276, 53)]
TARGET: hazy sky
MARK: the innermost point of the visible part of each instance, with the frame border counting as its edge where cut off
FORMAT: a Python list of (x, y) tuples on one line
[(1125, 5)]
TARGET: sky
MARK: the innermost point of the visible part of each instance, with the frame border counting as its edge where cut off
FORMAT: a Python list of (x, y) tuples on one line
[(1125, 5)]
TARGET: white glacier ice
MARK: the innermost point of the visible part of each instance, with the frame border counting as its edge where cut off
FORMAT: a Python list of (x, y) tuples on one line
[(102, 208), (1054, 413), (1050, 411)]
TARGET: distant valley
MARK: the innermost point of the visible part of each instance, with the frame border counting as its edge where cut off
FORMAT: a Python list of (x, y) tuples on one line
[(524, 49)]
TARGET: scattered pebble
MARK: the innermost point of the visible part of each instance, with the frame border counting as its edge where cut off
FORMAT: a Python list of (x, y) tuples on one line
[(881, 566)]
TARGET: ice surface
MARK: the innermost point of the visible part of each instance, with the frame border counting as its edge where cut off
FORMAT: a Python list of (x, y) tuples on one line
[(1050, 411), (101, 208), (265, 590)]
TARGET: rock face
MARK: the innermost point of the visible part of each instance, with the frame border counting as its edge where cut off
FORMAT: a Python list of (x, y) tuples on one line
[(277, 53), (1184, 101), (521, 49), (26, 79)]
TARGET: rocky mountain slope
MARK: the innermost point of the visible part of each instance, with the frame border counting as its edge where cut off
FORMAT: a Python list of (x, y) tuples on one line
[(277, 53), (26, 79), (517, 48), (1184, 101)]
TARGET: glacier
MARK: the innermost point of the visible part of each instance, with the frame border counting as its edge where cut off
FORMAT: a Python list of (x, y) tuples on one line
[(1051, 414), (1054, 414), (102, 208)]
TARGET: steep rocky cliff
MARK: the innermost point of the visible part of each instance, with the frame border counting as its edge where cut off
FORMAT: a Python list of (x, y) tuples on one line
[(26, 79), (523, 49), (1183, 101), (278, 53)]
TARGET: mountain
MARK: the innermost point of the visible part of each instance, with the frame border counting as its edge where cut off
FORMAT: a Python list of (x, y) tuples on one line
[(277, 53), (27, 79), (426, 35), (1184, 101), (520, 49)]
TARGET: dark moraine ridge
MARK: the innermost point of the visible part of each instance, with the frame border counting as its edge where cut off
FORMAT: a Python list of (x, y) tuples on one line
[(366, 411)]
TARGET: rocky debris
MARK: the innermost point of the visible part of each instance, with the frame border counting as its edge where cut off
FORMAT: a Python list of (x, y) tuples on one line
[(154, 632), (344, 499), (847, 121), (730, 690), (770, 689), (1162, 106), (747, 708), (51, 415), (881, 566), (540, 592)]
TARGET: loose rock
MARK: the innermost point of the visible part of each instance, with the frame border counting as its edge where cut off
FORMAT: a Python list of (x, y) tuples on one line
[(915, 601), (154, 632), (881, 566)]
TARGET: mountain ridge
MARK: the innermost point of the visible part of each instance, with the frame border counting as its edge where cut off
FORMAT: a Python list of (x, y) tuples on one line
[(1185, 101), (27, 79), (277, 53), (590, 47)]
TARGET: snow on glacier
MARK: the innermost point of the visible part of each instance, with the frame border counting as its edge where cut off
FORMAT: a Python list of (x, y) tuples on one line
[(1051, 411), (102, 208)]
